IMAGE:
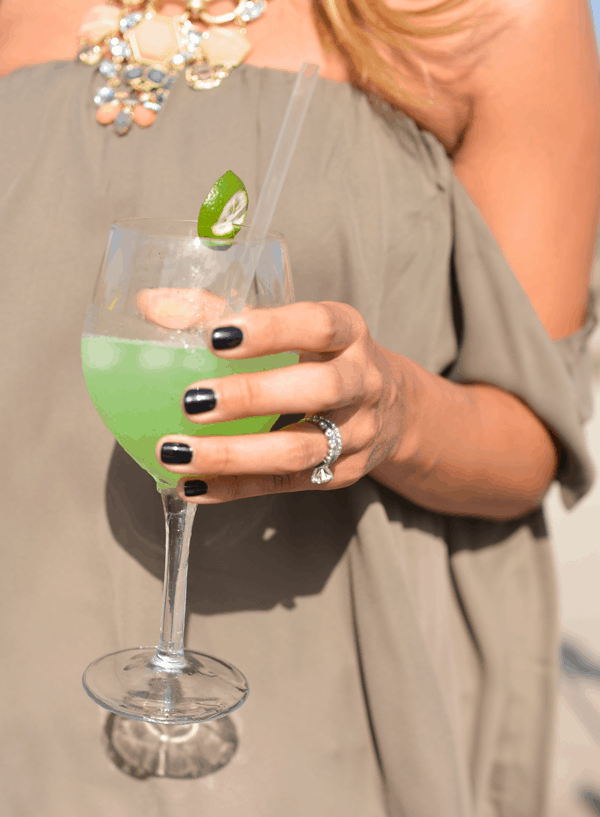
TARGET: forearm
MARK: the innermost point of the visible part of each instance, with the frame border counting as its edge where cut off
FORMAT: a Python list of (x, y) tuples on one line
[(468, 449)]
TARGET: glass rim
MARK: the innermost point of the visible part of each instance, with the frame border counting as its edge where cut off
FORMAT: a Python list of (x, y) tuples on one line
[(137, 224)]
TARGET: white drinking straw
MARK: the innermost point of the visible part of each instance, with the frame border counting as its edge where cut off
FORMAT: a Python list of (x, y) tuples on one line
[(269, 195)]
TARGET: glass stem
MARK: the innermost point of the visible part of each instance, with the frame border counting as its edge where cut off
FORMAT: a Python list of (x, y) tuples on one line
[(179, 518)]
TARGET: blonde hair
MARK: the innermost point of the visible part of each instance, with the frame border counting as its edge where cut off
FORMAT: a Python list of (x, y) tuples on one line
[(376, 42)]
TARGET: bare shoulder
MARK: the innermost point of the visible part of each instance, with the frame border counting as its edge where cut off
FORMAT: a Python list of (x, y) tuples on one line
[(531, 43), (529, 152), (442, 67), (37, 31), (511, 49)]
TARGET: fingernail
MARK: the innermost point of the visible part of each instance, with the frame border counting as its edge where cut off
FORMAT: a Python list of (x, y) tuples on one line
[(227, 337), (195, 487), (196, 401), (176, 453)]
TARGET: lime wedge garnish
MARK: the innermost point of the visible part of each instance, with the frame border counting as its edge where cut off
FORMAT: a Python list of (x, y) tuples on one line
[(224, 209)]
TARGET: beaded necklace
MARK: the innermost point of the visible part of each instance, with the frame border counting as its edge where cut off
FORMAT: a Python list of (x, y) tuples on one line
[(139, 53)]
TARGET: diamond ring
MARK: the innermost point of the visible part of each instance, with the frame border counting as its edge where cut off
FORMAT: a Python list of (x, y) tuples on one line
[(322, 472)]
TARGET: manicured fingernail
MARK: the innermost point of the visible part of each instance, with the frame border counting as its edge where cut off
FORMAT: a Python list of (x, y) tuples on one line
[(195, 487), (196, 401), (176, 453), (227, 337)]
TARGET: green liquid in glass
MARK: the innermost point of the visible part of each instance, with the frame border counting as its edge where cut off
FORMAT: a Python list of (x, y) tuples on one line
[(137, 386)]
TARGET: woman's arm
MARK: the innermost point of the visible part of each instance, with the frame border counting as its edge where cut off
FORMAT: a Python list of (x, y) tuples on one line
[(530, 155), (453, 448), (530, 159), (468, 449)]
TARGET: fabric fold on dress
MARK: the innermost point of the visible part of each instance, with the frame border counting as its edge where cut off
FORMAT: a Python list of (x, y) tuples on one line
[(504, 343)]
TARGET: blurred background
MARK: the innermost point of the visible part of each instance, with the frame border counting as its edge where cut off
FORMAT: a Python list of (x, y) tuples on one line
[(576, 537)]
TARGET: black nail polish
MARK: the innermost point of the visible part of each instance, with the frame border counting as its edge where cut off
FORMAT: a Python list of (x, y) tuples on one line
[(176, 453), (227, 337), (196, 401), (195, 487)]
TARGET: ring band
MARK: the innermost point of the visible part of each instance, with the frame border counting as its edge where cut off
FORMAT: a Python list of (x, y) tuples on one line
[(322, 472)]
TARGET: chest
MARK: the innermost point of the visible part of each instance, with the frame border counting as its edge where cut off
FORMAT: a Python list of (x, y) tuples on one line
[(284, 38)]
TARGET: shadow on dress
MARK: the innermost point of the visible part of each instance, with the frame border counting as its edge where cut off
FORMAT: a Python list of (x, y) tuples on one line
[(251, 554), (257, 553), (262, 552)]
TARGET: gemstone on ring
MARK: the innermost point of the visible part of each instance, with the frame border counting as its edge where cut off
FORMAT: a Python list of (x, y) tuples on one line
[(322, 472)]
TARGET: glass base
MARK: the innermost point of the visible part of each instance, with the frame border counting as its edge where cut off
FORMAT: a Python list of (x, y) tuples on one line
[(145, 685)]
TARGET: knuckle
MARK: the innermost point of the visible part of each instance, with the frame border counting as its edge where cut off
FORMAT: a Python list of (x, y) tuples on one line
[(358, 380), (359, 325), (335, 387), (347, 382), (374, 384), (301, 455), (222, 454), (368, 432), (325, 320), (212, 455), (270, 328), (245, 393), (355, 324)]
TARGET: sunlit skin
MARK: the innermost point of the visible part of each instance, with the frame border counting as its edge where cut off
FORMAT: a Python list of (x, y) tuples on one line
[(523, 132)]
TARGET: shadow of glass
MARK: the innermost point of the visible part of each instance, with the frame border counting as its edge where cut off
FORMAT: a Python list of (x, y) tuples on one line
[(181, 751), (252, 554)]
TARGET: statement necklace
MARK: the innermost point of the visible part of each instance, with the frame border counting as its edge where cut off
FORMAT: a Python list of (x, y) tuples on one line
[(140, 52)]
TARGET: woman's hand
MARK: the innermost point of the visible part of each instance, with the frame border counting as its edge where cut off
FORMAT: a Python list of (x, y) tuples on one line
[(455, 448), (343, 375)]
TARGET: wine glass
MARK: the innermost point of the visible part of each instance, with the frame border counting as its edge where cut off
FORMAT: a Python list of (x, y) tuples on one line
[(144, 342)]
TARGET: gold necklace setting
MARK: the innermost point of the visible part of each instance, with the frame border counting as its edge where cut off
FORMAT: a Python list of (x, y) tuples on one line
[(139, 53)]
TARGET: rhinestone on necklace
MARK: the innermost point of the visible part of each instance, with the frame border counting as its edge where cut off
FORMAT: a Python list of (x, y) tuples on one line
[(140, 52)]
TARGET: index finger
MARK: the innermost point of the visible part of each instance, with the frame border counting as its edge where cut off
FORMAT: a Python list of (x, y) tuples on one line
[(309, 327)]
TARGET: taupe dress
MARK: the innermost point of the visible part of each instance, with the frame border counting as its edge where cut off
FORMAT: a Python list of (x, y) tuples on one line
[(402, 663)]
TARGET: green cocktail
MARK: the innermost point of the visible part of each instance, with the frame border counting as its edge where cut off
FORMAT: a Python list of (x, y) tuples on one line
[(146, 340), (136, 388)]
